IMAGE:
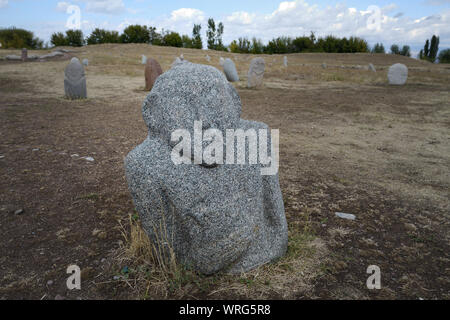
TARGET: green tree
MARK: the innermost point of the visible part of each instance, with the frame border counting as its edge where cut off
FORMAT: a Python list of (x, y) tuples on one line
[(358, 45), (19, 38), (135, 34), (58, 39), (243, 45), (426, 48), (434, 48), (430, 49), (99, 36), (155, 38), (444, 56), (214, 35), (219, 33), (211, 34), (257, 46), (302, 44), (196, 37), (186, 41), (279, 45), (172, 39), (74, 38), (406, 51), (378, 48), (395, 49)]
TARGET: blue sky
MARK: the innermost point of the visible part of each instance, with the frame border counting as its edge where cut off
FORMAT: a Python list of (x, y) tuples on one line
[(398, 21)]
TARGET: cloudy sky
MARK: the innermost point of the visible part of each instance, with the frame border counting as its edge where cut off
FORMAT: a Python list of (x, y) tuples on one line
[(397, 21)]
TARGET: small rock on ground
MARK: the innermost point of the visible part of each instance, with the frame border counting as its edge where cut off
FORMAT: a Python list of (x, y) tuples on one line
[(346, 216)]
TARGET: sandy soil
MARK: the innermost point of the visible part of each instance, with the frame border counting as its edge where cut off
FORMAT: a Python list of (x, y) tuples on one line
[(349, 143)]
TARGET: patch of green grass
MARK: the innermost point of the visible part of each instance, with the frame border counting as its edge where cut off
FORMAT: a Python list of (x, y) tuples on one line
[(421, 239), (334, 77), (298, 244), (90, 196), (340, 180)]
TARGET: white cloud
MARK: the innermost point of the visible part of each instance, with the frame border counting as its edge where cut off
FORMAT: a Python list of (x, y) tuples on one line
[(297, 18), (241, 17), (105, 6), (97, 6), (3, 3), (62, 6), (189, 14)]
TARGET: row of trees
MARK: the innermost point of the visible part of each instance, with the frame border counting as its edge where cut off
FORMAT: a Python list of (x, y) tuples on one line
[(19, 38), (282, 45), (144, 34), (395, 49), (430, 50)]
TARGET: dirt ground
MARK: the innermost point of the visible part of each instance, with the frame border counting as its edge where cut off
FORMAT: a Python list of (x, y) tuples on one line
[(349, 143)]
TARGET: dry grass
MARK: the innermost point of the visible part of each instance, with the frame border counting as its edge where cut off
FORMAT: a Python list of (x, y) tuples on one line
[(152, 266), (151, 270)]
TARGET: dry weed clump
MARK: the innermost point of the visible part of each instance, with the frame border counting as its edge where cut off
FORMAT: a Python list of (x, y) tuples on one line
[(150, 268)]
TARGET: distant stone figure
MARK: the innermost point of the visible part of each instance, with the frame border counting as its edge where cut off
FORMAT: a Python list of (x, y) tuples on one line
[(372, 67), (324, 65), (230, 70), (256, 73), (177, 61), (221, 61), (85, 62), (143, 59), (285, 61), (152, 71), (215, 217), (397, 74), (24, 56), (208, 58), (75, 80)]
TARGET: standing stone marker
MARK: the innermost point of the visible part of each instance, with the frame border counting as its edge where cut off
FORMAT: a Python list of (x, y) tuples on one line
[(398, 74), (143, 59), (324, 65), (372, 67), (285, 61), (85, 62), (230, 70), (24, 56), (177, 61), (256, 73), (221, 61), (75, 80), (208, 58), (152, 72), (219, 217)]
